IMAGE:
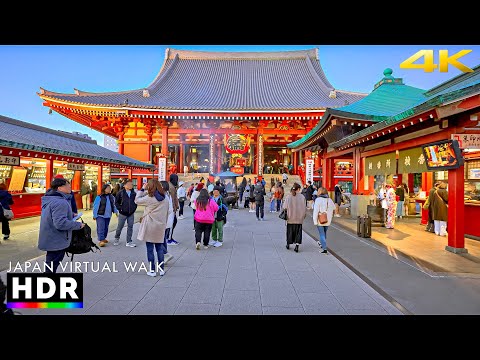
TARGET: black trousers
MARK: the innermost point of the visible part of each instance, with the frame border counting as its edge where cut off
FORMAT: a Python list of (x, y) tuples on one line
[(180, 212), (173, 226), (5, 225), (205, 229), (54, 258), (259, 209)]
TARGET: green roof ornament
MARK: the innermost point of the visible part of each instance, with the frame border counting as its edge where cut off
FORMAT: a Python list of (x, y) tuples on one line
[(388, 73), (388, 79)]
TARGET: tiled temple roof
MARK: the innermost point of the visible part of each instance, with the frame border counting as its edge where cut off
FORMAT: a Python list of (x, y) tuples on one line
[(19, 134), (228, 81)]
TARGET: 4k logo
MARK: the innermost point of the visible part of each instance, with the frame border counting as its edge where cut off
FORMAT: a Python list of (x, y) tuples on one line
[(443, 61)]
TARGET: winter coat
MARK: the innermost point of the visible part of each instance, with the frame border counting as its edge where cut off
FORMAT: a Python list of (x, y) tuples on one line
[(6, 199), (296, 210), (85, 189), (338, 195), (173, 193), (124, 203), (438, 204), (206, 216), (193, 198), (154, 219), (259, 194), (56, 222), (104, 206), (309, 193), (401, 193), (323, 204), (181, 192), (171, 214)]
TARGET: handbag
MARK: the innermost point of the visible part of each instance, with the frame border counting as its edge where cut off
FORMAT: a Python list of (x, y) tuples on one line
[(7, 213), (283, 214), (183, 198), (322, 217)]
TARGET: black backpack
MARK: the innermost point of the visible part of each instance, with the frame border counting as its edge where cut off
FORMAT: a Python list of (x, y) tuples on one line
[(81, 241)]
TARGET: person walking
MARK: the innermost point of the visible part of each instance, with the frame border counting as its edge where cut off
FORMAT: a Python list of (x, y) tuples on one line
[(94, 188), (338, 199), (391, 198), (430, 224), (251, 200), (439, 206), (85, 193), (309, 195), (220, 218), (259, 194), (204, 218), (406, 198), (246, 194), (284, 178), (296, 212), (153, 223), (242, 187), (273, 200), (170, 220), (173, 184), (279, 193), (323, 204), (193, 199), (56, 223), (6, 200), (125, 203), (73, 203), (103, 209), (182, 197), (400, 193)]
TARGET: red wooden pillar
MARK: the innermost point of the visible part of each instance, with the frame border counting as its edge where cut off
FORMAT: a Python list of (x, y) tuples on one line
[(327, 174), (356, 172), (318, 162), (181, 155), (361, 176), (255, 157), (129, 171), (427, 181), (295, 162), (76, 181), (456, 210), (165, 142), (139, 182), (121, 146), (49, 174)]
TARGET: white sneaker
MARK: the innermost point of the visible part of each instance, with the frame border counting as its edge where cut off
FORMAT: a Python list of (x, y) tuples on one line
[(116, 242), (161, 272), (197, 246), (167, 258), (212, 242), (130, 244), (205, 247), (218, 244), (152, 273), (338, 215), (181, 217)]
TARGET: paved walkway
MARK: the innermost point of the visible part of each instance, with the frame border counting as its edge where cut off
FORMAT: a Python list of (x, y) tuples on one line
[(252, 273)]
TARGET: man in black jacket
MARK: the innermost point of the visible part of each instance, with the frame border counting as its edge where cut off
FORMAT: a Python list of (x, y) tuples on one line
[(125, 203)]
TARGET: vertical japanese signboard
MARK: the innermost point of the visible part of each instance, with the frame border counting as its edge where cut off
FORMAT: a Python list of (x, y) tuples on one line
[(309, 170), (162, 168)]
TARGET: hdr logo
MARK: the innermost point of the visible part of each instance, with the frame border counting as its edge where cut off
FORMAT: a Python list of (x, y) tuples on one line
[(44, 291)]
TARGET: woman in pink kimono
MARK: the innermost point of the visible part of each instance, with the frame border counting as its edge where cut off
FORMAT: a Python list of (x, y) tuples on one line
[(391, 206)]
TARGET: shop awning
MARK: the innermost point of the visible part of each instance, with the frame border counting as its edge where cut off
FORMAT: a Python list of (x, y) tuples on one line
[(384, 164), (411, 161)]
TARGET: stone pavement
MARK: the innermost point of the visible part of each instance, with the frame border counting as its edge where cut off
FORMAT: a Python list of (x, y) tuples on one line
[(252, 273)]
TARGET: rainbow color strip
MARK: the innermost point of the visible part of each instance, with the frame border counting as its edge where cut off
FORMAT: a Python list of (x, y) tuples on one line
[(45, 305)]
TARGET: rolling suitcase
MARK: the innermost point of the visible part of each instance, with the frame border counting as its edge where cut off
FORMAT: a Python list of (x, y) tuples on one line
[(364, 226)]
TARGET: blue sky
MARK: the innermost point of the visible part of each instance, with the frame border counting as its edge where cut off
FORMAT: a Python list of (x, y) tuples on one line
[(97, 68)]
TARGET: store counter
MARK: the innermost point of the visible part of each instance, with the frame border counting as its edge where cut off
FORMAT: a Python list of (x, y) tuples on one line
[(472, 212), (30, 204)]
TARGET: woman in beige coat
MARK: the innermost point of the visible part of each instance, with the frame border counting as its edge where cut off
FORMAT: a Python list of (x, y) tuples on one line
[(323, 204), (153, 223), (296, 212)]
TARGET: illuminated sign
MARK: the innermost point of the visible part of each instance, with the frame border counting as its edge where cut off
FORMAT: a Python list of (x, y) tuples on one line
[(443, 155), (236, 144)]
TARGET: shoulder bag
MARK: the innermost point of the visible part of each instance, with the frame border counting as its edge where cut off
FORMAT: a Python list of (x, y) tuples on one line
[(283, 214), (441, 199), (322, 217)]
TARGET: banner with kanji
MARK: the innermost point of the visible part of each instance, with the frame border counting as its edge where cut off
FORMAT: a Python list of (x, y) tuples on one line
[(411, 161), (384, 164)]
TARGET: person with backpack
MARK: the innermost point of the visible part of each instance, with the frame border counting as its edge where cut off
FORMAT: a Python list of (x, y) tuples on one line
[(204, 218), (251, 200), (103, 209), (6, 200), (125, 203), (153, 223), (259, 193), (56, 223), (220, 218), (323, 204)]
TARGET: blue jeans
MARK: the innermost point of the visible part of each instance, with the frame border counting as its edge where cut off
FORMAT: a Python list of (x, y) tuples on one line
[(102, 227), (121, 223), (160, 249), (53, 259), (272, 205), (322, 232), (279, 202), (399, 208)]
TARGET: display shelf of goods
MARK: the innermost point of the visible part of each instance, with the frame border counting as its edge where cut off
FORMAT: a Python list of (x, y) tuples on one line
[(38, 173), (5, 171)]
